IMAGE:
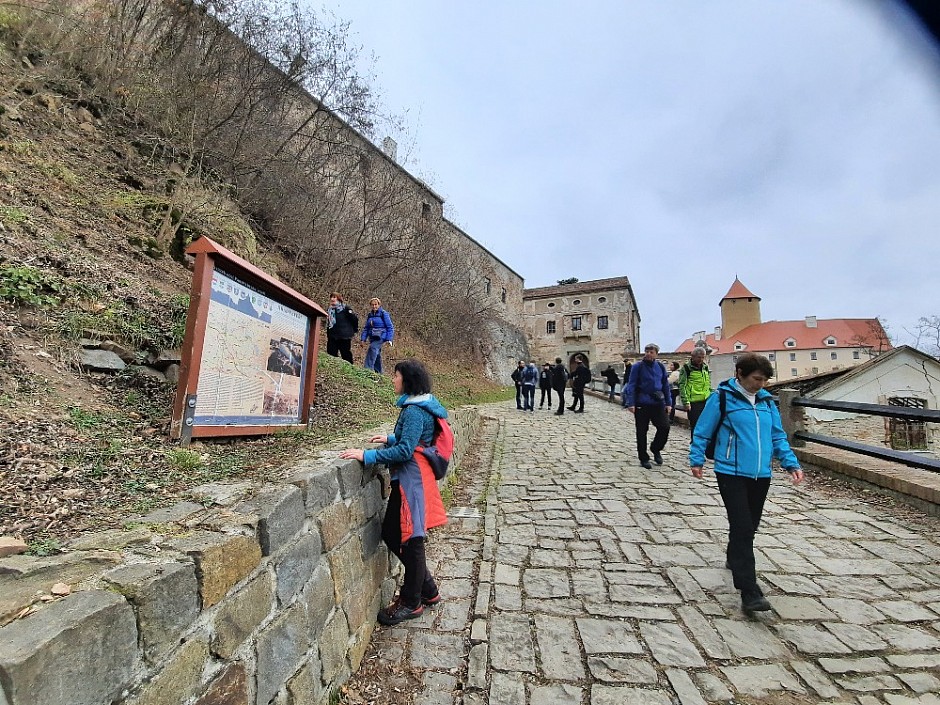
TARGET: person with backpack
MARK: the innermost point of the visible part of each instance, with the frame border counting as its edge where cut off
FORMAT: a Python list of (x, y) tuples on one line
[(545, 385), (610, 374), (740, 429), (341, 327), (695, 386), (559, 381), (580, 377), (377, 331), (530, 377), (647, 396), (414, 504)]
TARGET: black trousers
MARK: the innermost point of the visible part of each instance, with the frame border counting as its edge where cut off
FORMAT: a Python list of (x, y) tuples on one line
[(518, 396), (561, 399), (418, 581), (695, 410), (644, 415), (743, 498), (339, 348), (577, 398), (546, 391)]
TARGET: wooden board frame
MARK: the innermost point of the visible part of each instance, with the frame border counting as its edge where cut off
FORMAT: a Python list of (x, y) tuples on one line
[(208, 254)]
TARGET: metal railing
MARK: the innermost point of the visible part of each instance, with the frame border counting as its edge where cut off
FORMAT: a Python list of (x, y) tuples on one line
[(793, 421)]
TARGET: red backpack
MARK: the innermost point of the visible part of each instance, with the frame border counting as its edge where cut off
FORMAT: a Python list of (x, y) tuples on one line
[(441, 449)]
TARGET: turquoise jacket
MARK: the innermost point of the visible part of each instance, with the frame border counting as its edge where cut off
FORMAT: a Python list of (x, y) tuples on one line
[(749, 436), (414, 427)]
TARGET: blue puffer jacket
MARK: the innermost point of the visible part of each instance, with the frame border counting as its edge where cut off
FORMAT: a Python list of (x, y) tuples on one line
[(378, 325), (749, 437)]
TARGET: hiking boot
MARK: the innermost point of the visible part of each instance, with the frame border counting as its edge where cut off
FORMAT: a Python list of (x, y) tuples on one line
[(657, 457), (559, 413), (399, 614), (754, 601), (646, 464)]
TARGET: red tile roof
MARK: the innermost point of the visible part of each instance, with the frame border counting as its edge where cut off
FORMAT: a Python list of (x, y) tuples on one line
[(739, 291), (770, 336)]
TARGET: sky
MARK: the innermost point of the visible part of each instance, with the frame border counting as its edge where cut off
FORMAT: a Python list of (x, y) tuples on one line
[(795, 145)]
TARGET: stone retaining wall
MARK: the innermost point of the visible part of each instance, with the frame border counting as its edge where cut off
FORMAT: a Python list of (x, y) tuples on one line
[(256, 595)]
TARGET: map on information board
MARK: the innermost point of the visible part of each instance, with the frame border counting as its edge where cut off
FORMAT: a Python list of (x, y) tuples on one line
[(253, 358)]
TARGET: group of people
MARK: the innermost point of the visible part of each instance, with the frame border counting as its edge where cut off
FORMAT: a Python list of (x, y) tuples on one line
[(551, 378), (343, 324)]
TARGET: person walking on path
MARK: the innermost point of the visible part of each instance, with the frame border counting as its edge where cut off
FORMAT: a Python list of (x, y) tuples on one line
[(673, 388), (530, 378), (580, 376), (545, 386), (341, 328), (414, 504), (377, 331), (559, 381), (610, 374), (747, 434), (695, 386), (648, 398), (516, 377)]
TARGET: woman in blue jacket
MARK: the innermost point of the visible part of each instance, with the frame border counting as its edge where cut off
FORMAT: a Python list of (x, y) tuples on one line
[(748, 435), (377, 331)]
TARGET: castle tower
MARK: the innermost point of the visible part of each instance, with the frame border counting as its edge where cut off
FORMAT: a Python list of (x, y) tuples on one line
[(739, 309)]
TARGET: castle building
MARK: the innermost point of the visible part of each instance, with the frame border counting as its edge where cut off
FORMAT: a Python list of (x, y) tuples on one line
[(796, 348), (596, 319)]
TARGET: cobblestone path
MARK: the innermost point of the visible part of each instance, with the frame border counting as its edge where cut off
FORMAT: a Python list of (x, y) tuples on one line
[(590, 580)]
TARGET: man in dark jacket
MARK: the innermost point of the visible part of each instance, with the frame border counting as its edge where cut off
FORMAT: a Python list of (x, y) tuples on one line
[(559, 380), (545, 385), (610, 374), (341, 328), (517, 378), (648, 397), (580, 376)]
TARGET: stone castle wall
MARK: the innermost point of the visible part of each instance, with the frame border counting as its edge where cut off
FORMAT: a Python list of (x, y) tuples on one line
[(268, 595)]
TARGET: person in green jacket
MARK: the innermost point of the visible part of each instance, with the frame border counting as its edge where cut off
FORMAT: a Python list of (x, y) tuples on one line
[(695, 386)]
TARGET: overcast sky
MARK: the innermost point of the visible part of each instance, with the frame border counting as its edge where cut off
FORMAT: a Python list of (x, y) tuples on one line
[(793, 144)]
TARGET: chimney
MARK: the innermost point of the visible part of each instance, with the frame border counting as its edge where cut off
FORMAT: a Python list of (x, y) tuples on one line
[(811, 321), (390, 147), (717, 332), (698, 335)]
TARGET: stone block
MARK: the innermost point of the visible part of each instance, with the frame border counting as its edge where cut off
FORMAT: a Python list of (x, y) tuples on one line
[(334, 525), (45, 658), (222, 560), (358, 604), (165, 597), (239, 615), (320, 598), (296, 565), (373, 501), (319, 486), (112, 539), (279, 651), (229, 688), (370, 536), (174, 513), (225, 494), (180, 679), (346, 566), (351, 477), (92, 360), (333, 645), (10, 546), (280, 516), (306, 688)]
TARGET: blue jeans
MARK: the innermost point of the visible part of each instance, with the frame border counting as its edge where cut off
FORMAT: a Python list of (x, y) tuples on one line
[(528, 396), (374, 356)]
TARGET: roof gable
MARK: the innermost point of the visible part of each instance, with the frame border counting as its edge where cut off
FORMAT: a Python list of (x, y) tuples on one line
[(739, 291)]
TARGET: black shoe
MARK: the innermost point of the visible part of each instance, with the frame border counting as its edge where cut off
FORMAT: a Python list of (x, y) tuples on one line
[(754, 601), (400, 614), (559, 413), (657, 457), (570, 408), (646, 464), (579, 411)]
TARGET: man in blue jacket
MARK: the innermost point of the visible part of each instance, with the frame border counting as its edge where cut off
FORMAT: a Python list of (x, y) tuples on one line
[(649, 398)]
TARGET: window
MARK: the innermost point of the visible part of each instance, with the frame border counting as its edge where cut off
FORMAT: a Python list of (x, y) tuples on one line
[(830, 340), (487, 285), (576, 302), (576, 323), (812, 356), (601, 299), (792, 357), (425, 210), (772, 356), (739, 346), (734, 358), (551, 304), (502, 296), (549, 326), (602, 322), (907, 435), (815, 370), (790, 343), (793, 372), (856, 355), (833, 356)]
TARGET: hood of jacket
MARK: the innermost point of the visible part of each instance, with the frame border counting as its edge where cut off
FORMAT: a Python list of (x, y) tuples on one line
[(428, 402)]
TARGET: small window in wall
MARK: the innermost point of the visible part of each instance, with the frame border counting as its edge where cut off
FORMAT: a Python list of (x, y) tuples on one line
[(576, 302), (833, 356), (601, 299), (830, 341), (739, 346), (815, 370), (487, 285), (812, 356), (792, 357), (734, 358), (576, 323), (551, 304), (772, 356), (790, 343), (602, 322), (425, 210), (793, 372), (907, 435), (502, 296), (856, 355), (549, 326)]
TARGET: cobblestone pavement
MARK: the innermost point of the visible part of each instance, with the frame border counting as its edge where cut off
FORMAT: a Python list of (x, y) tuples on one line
[(590, 580)]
